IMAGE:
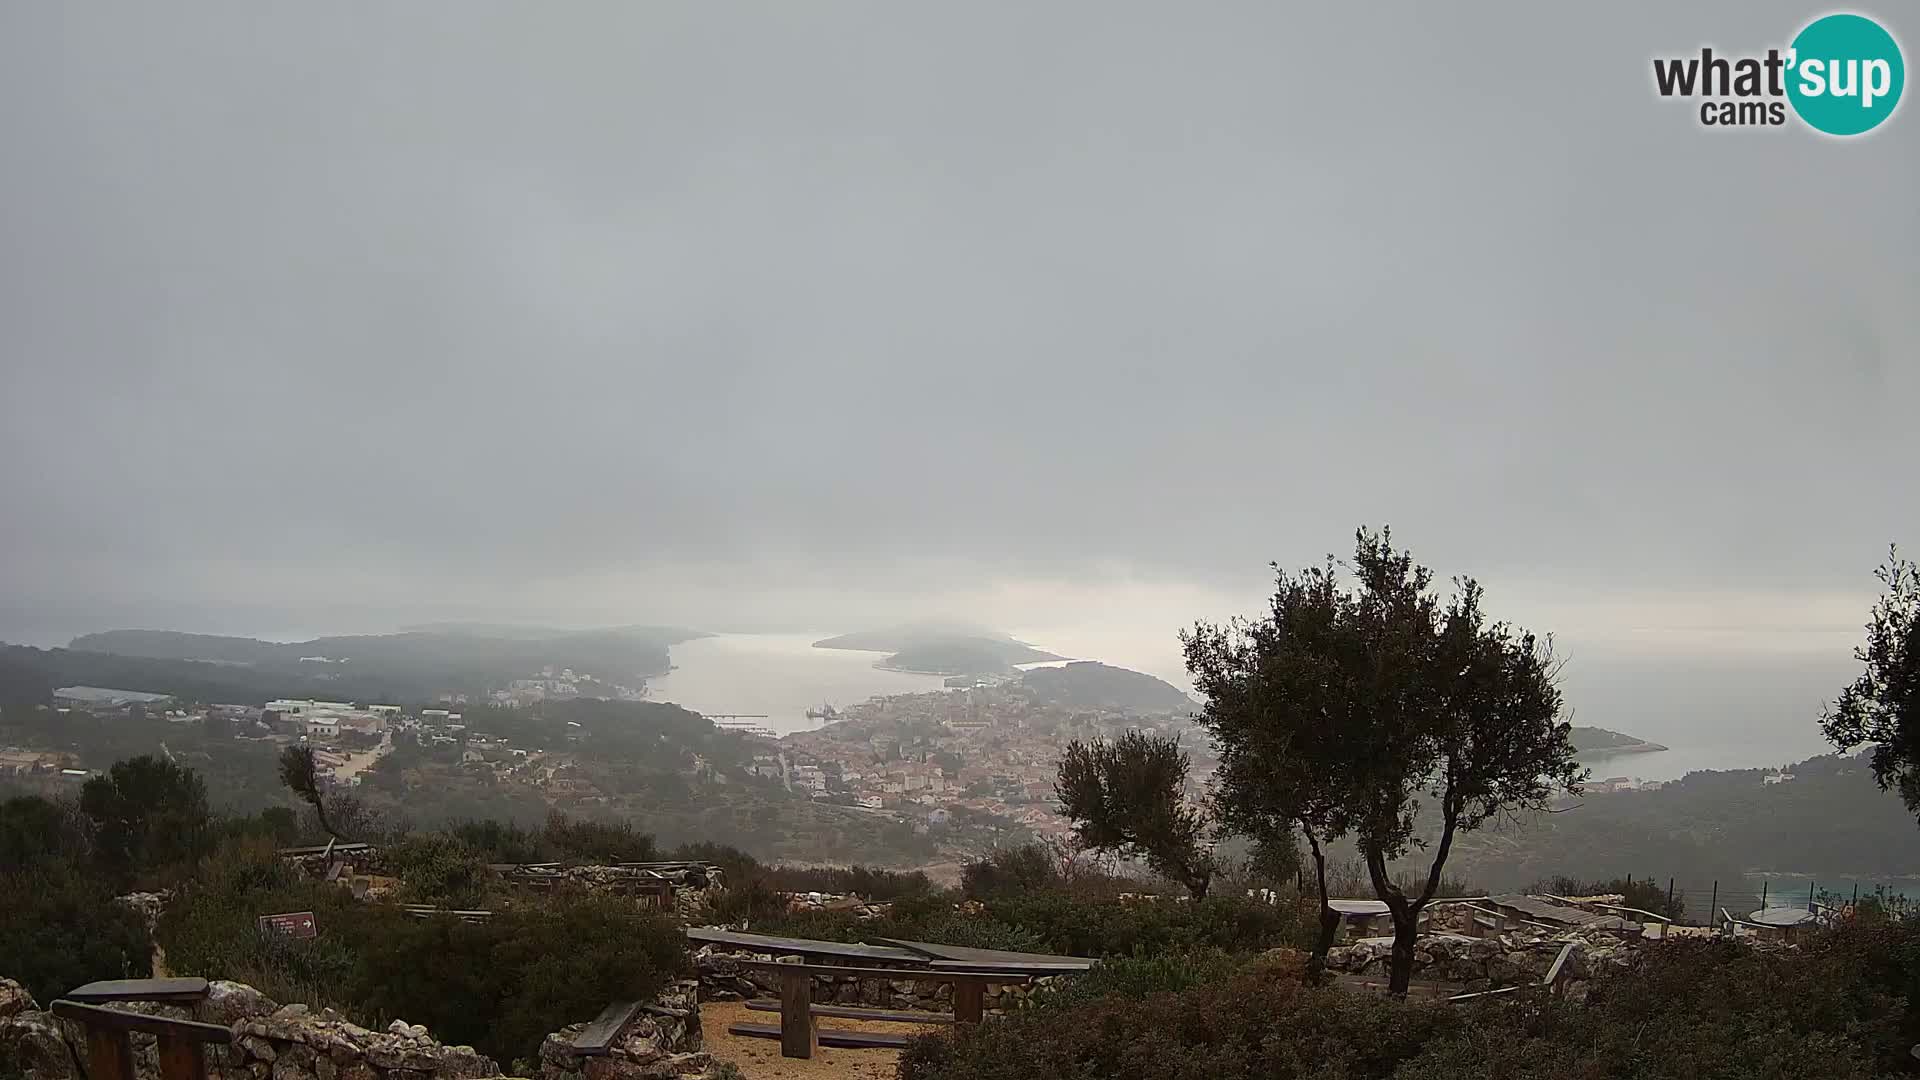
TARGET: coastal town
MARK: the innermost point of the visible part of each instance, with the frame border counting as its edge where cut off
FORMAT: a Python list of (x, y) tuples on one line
[(983, 752), (986, 749)]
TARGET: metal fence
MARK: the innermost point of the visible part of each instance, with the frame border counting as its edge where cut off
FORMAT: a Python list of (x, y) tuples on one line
[(1693, 902)]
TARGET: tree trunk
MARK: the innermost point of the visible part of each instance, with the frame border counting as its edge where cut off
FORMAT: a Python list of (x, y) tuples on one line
[(1406, 922), (1329, 918), (1406, 931)]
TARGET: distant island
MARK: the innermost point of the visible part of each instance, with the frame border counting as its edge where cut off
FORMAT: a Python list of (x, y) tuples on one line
[(1596, 740), (1087, 684), (421, 664), (942, 649)]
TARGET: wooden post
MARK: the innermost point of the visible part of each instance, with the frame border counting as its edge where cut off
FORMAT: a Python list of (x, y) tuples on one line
[(181, 1058), (109, 1055), (799, 1035), (1669, 911), (1763, 893), (1714, 906), (969, 1000)]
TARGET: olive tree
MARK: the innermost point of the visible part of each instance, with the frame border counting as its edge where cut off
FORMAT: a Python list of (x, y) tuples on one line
[(1881, 708), (1128, 796), (1362, 696), (1265, 682)]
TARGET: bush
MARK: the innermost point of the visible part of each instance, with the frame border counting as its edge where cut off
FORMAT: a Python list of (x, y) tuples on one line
[(148, 815), (438, 868), (1690, 1009), (1061, 922), (499, 985), (867, 882), (1139, 976), (60, 928), (597, 841), (1641, 893), (212, 927), (1010, 872), (35, 831), (503, 984)]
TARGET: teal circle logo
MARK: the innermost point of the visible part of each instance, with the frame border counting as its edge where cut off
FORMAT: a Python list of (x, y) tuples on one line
[(1845, 74)]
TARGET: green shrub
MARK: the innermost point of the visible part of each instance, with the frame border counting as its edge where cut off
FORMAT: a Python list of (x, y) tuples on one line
[(1139, 976), (1641, 893), (60, 928), (1062, 922), (752, 901), (863, 881), (438, 868), (1689, 1009), (596, 841), (1010, 872), (36, 831), (211, 928), (499, 985), (503, 984)]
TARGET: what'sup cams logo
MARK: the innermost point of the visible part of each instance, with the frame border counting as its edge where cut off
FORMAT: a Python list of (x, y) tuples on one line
[(1841, 75)]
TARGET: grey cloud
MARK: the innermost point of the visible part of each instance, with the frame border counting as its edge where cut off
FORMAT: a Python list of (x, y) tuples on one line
[(314, 309)]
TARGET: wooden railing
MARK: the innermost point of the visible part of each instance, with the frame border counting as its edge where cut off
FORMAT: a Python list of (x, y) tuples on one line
[(110, 1053)]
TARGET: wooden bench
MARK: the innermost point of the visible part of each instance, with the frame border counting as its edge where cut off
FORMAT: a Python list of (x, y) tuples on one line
[(845, 1040), (849, 1012), (171, 990), (182, 1043), (798, 1033), (598, 1037)]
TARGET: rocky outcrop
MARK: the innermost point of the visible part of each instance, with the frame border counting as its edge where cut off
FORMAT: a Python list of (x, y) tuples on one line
[(148, 905), (15, 999), (271, 1042), (1490, 963), (850, 903), (664, 1041), (36, 1046), (724, 978), (296, 1043)]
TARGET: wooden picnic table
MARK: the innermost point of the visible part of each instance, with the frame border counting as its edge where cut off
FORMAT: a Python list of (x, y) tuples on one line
[(799, 1031)]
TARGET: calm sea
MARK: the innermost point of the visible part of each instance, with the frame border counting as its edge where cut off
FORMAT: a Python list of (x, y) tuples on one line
[(779, 675)]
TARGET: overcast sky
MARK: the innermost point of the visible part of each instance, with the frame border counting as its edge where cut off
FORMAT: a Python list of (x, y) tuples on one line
[(1070, 316)]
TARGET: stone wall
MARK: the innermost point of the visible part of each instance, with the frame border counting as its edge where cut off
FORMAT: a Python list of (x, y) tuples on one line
[(665, 1041), (271, 1042), (293, 1042), (723, 978), (1489, 963)]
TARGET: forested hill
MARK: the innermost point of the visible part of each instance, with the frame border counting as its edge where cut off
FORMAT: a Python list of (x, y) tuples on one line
[(1829, 820), (1593, 740), (408, 666), (1086, 684), (942, 650)]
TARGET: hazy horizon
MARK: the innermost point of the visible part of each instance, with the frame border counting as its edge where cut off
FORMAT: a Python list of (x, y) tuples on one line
[(1064, 320)]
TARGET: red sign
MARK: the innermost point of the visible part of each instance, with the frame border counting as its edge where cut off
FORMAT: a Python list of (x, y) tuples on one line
[(294, 924)]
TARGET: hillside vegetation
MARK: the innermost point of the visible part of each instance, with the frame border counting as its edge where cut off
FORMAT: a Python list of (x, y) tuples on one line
[(1086, 684)]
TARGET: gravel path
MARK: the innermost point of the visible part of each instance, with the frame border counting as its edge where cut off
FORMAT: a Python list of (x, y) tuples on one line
[(760, 1059)]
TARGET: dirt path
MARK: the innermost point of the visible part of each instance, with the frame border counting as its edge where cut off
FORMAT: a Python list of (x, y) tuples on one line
[(759, 1059), (356, 763)]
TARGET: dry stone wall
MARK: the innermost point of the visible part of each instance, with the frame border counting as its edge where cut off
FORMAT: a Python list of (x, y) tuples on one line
[(293, 1042), (1490, 963), (664, 1042)]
